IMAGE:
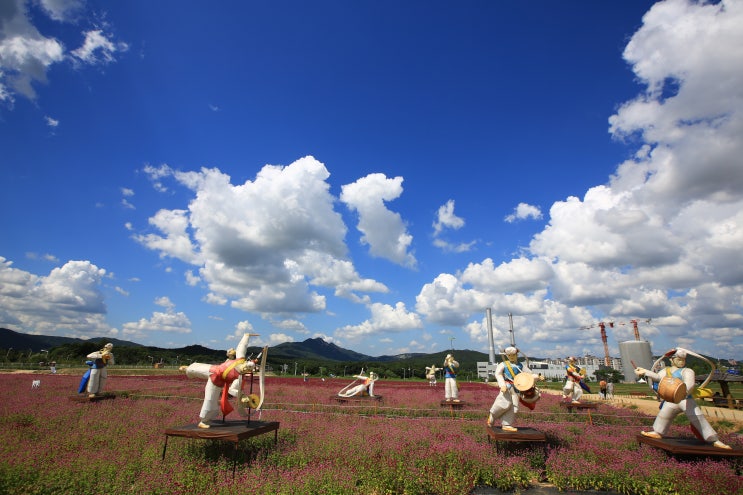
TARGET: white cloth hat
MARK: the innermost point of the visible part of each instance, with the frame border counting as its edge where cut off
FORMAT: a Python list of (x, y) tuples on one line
[(680, 353), (510, 351)]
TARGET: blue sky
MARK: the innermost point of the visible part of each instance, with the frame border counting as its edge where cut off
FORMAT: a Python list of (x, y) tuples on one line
[(374, 173)]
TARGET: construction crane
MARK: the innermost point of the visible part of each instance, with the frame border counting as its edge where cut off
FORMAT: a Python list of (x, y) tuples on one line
[(602, 327), (634, 326)]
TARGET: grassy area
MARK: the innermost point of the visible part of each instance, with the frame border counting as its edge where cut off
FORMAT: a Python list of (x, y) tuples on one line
[(736, 389), (407, 445)]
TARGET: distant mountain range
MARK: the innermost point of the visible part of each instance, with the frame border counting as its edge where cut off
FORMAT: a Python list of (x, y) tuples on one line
[(36, 343), (311, 349)]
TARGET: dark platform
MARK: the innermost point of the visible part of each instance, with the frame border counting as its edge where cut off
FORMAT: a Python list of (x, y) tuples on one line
[(522, 435), (580, 406), (688, 446), (85, 398), (228, 431), (452, 404), (355, 398)]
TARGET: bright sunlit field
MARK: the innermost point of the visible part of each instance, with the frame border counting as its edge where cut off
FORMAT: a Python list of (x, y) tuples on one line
[(407, 443)]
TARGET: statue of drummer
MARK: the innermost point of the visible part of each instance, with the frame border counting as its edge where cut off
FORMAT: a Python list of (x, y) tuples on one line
[(572, 391), (517, 386), (679, 401)]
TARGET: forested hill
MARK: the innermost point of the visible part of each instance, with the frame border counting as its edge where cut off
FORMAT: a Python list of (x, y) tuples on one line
[(10, 339), (316, 350)]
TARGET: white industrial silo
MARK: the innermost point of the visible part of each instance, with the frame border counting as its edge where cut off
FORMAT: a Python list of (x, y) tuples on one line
[(635, 351)]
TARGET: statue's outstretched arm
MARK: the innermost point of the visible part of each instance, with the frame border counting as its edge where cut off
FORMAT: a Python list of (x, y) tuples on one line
[(241, 352)]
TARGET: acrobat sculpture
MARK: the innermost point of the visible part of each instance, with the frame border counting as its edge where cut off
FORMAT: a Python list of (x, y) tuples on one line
[(516, 383), (363, 389), (225, 380), (674, 386)]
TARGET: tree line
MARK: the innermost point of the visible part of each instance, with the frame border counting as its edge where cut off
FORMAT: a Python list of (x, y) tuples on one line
[(74, 354)]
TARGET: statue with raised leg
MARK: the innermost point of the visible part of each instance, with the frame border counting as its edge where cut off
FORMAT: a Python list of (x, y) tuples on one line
[(222, 381), (675, 386), (517, 387)]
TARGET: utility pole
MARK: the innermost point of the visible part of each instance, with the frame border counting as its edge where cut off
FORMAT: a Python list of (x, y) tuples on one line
[(491, 340), (510, 323)]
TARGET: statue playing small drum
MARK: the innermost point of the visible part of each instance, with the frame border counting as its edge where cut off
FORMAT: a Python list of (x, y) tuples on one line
[(517, 387)]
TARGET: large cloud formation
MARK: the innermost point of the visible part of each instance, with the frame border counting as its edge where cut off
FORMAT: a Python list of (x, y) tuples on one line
[(68, 300), (662, 239), (263, 245)]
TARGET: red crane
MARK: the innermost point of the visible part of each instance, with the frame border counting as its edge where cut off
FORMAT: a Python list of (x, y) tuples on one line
[(634, 326), (602, 327)]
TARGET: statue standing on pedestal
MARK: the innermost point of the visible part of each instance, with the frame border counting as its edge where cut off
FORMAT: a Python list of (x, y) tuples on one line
[(512, 377), (220, 379), (675, 385), (95, 378), (451, 391)]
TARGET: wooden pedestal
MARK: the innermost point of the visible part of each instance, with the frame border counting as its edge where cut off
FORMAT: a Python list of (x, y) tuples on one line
[(228, 431)]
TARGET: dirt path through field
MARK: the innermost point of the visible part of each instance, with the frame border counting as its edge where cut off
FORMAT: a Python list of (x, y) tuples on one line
[(650, 407)]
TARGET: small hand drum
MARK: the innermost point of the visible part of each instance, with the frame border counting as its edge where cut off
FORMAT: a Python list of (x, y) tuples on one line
[(524, 383)]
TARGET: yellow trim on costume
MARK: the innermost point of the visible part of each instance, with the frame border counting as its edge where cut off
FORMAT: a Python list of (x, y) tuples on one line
[(231, 367), (513, 375)]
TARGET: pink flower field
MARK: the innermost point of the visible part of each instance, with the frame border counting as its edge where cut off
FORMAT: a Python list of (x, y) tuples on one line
[(404, 444)]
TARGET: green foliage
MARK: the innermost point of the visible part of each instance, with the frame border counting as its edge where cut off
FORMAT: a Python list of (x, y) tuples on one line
[(609, 374), (18, 420)]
